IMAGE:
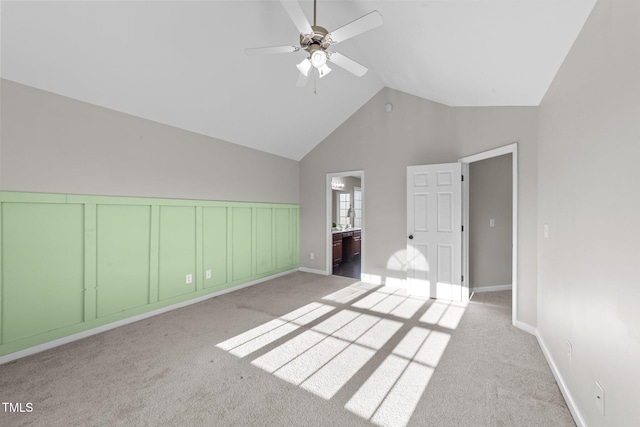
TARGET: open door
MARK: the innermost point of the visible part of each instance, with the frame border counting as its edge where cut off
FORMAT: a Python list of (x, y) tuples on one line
[(434, 231)]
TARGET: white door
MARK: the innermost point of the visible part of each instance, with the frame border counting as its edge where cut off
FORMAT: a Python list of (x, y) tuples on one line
[(434, 231)]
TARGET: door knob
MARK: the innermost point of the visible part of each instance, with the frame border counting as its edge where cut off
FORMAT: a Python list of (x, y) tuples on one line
[(410, 236)]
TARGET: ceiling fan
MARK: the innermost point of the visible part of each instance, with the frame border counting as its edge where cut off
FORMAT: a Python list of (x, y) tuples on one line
[(316, 41)]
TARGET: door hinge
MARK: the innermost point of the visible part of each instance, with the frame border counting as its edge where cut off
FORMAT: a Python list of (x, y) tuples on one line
[(463, 278), (463, 177), (463, 228)]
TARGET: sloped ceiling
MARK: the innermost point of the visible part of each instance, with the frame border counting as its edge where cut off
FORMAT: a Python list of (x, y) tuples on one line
[(183, 63)]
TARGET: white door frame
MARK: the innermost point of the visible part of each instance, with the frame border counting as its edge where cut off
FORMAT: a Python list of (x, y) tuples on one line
[(328, 236), (513, 149)]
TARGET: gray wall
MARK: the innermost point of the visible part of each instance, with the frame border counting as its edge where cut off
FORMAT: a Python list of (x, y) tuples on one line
[(382, 144), (477, 129), (416, 131), (490, 197), (589, 195), (55, 144)]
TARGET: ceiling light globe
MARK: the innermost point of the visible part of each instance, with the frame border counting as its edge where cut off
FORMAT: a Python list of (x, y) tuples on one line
[(318, 58), (324, 70), (304, 66)]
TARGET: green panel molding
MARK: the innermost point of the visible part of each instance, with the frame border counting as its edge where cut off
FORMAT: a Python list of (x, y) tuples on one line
[(123, 245), (242, 228), (214, 232), (43, 273), (264, 238), (284, 238), (177, 251), (71, 263), (90, 279)]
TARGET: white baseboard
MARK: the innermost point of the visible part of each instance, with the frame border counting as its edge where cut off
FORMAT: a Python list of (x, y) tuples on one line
[(313, 271), (568, 398), (94, 331), (492, 288), (577, 416), (526, 327)]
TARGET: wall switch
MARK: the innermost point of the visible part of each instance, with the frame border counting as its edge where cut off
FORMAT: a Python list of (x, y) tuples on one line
[(312, 255), (546, 231), (599, 397), (492, 223), (569, 350), (207, 274), (189, 279)]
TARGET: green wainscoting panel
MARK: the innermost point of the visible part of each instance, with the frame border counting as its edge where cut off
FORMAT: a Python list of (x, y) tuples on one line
[(214, 240), (71, 263), (284, 241), (42, 274), (124, 241), (295, 234), (177, 251), (264, 240), (154, 261), (241, 243), (90, 263)]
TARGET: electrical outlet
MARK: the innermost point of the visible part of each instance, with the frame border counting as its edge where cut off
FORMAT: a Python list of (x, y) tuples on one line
[(312, 255), (599, 398), (569, 350), (492, 222), (207, 274), (189, 279)]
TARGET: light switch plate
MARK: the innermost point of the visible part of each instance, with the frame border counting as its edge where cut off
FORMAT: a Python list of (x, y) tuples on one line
[(207, 274), (546, 231), (492, 223)]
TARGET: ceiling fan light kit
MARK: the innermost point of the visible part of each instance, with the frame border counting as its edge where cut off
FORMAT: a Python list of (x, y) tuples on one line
[(315, 40), (324, 70), (318, 57), (304, 66)]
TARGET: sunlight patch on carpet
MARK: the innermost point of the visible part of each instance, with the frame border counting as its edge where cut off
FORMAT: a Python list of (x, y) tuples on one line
[(256, 338), (349, 293), (392, 392), (444, 313), (323, 347)]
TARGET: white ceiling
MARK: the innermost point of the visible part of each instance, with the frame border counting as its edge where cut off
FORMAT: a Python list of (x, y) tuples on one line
[(183, 63)]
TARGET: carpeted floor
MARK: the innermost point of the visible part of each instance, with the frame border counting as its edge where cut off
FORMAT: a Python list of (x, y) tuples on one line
[(302, 350)]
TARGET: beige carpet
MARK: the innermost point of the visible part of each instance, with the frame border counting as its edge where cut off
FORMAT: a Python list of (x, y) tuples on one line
[(301, 350)]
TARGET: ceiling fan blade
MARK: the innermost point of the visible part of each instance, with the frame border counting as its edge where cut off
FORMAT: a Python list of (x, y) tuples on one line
[(297, 16), (364, 23), (347, 63), (270, 50), (302, 79)]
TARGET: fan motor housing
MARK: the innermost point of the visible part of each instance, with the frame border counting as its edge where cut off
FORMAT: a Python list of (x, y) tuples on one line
[(318, 38)]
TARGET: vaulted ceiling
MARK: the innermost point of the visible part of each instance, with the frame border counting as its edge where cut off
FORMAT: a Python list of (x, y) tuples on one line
[(183, 63)]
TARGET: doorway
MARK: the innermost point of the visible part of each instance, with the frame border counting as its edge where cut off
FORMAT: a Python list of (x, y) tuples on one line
[(345, 220), (466, 162), (490, 224)]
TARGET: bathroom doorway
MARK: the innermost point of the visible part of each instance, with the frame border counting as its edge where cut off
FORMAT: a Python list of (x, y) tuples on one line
[(345, 220)]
